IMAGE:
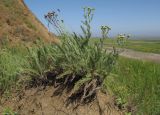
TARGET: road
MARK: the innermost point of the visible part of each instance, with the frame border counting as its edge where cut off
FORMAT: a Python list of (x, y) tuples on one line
[(139, 55)]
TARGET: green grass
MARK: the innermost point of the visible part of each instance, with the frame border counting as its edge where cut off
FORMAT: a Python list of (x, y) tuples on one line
[(8, 111), (137, 84), (144, 46), (12, 62), (150, 46)]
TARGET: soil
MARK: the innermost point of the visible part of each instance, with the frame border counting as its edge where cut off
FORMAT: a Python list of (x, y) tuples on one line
[(36, 101), (138, 55)]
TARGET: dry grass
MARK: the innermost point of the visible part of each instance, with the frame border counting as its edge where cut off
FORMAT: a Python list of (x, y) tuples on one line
[(17, 23)]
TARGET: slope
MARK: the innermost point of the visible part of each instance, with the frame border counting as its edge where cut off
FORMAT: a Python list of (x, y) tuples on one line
[(18, 23)]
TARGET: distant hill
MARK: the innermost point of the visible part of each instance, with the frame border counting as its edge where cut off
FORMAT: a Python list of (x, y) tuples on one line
[(17, 23)]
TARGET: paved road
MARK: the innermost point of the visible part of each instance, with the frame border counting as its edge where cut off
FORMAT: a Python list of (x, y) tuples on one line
[(139, 55)]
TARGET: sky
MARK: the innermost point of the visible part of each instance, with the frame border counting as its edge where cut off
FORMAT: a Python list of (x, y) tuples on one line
[(140, 18)]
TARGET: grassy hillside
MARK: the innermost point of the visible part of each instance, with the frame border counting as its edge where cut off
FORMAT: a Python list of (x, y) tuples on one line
[(17, 23)]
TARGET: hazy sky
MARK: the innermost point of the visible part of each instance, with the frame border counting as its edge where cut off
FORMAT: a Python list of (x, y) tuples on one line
[(136, 17)]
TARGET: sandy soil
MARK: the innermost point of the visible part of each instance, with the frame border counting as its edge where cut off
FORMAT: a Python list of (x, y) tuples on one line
[(34, 102)]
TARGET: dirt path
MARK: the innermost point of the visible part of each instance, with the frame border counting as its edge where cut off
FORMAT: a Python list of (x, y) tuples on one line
[(139, 55)]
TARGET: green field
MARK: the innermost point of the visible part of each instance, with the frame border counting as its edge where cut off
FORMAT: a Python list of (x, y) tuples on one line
[(150, 46), (137, 84)]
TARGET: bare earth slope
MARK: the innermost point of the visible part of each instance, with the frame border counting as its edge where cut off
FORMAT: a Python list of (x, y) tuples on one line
[(17, 23)]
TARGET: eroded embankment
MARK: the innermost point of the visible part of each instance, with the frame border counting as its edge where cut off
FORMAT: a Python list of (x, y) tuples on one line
[(36, 101)]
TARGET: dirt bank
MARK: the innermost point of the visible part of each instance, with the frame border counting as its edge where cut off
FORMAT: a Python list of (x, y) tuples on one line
[(42, 102)]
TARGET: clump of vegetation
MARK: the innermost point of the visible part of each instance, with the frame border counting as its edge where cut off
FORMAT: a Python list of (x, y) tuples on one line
[(53, 19), (105, 30), (9, 111), (122, 39), (74, 64), (86, 27)]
